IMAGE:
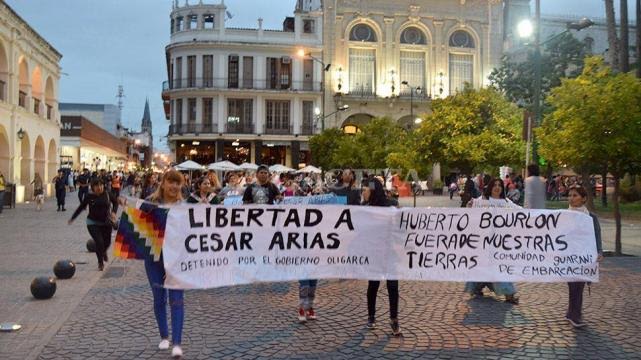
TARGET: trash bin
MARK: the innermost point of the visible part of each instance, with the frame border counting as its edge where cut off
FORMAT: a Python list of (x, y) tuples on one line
[(9, 195)]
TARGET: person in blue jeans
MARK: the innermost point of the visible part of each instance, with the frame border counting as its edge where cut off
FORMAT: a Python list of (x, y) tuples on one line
[(306, 295), (167, 194)]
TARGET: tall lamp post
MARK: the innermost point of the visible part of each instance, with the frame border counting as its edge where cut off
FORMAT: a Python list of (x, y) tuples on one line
[(525, 29), (302, 54), (418, 90), (320, 116)]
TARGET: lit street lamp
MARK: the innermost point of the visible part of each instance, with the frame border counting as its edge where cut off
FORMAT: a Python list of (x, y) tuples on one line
[(322, 118), (525, 29)]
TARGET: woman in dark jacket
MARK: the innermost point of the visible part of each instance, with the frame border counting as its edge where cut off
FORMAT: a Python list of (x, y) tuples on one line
[(101, 208), (203, 193), (374, 195)]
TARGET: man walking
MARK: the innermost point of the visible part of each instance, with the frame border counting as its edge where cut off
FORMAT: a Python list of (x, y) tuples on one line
[(83, 185)]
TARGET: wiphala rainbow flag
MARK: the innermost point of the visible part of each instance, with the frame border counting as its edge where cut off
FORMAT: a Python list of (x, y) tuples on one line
[(141, 233)]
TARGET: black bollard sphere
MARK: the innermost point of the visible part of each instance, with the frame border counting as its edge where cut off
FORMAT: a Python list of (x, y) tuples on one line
[(91, 245), (43, 287), (64, 269)]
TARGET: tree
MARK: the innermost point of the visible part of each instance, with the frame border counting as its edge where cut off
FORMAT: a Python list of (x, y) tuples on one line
[(596, 120), (613, 41), (563, 57), (472, 130), (324, 145), (625, 40)]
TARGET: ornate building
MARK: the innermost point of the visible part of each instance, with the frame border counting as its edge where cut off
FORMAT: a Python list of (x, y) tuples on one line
[(29, 118), (390, 58), (242, 94)]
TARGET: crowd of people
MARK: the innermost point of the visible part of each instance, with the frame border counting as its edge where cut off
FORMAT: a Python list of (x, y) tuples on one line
[(99, 192)]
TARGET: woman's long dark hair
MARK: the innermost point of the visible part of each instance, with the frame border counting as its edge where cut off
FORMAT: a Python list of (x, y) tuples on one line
[(488, 189), (377, 193)]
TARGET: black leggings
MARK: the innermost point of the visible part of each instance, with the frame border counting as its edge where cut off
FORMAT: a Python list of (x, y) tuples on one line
[(101, 234), (392, 293)]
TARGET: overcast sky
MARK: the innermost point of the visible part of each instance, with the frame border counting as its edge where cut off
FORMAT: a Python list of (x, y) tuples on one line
[(105, 43)]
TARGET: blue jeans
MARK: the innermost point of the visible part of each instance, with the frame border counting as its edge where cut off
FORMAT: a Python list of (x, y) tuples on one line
[(156, 276), (307, 293)]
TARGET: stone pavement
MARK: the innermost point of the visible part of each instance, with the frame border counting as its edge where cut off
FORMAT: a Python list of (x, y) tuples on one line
[(109, 315)]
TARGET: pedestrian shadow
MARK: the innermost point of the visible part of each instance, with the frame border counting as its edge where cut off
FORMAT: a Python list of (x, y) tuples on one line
[(489, 311)]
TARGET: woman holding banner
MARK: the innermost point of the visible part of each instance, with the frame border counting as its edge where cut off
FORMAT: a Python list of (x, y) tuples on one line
[(493, 197), (577, 196), (168, 193), (374, 195)]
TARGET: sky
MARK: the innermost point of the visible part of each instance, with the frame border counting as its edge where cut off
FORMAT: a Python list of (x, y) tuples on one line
[(106, 43)]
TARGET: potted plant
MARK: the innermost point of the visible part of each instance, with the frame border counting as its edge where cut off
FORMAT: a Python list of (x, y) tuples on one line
[(437, 187)]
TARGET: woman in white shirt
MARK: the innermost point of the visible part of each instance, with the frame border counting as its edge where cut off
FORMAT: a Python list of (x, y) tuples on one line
[(493, 197)]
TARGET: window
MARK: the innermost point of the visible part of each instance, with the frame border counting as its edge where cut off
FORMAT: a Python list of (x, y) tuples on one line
[(179, 73), (461, 39), (412, 70), (589, 44), (232, 71), (239, 116), (36, 106), (277, 116), (179, 23), (208, 107), (248, 72), (362, 32), (461, 71), (362, 65), (308, 26), (179, 113), (414, 36), (193, 22), (308, 117), (279, 73), (3, 90), (308, 74), (172, 26), (208, 21), (191, 71), (208, 70), (191, 106), (22, 99), (49, 111)]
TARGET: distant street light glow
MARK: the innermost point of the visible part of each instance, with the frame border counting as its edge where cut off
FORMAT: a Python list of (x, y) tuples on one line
[(525, 28)]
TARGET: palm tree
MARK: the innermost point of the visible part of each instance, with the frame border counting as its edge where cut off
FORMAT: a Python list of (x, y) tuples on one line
[(625, 40), (613, 41)]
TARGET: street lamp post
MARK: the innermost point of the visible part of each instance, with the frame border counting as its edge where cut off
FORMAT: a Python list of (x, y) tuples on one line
[(303, 54), (525, 29), (322, 117), (418, 91)]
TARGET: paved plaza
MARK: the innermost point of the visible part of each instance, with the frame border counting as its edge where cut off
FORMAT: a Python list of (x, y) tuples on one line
[(108, 315)]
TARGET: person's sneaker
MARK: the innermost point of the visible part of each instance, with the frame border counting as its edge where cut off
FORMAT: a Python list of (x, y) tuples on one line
[(301, 315), (576, 324), (371, 323), (176, 352), (310, 314), (164, 344), (396, 329)]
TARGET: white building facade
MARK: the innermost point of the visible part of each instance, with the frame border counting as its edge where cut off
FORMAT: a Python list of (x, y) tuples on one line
[(29, 118), (242, 94)]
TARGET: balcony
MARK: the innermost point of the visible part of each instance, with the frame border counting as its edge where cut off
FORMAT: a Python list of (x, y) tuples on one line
[(307, 129), (278, 131), (180, 129), (239, 128), (241, 84), (362, 92)]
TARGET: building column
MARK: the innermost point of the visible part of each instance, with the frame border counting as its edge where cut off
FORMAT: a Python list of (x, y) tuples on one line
[(220, 150), (220, 113), (258, 147), (438, 62)]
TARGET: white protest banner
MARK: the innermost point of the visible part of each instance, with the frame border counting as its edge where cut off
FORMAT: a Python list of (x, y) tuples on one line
[(208, 247)]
